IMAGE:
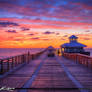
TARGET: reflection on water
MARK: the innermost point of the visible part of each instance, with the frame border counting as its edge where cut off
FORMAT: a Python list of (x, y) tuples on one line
[(7, 52)]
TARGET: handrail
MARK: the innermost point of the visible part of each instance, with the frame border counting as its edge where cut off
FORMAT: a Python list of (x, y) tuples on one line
[(79, 58), (9, 63)]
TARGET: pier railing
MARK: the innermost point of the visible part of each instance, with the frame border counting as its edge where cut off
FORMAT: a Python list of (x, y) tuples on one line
[(10, 63), (79, 58)]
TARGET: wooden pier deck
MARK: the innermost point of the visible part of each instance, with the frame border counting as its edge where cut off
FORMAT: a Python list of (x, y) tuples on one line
[(49, 74)]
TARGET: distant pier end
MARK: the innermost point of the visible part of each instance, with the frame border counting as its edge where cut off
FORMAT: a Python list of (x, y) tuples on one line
[(73, 46)]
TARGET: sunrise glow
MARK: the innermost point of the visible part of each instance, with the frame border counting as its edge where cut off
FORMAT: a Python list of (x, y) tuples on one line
[(40, 23)]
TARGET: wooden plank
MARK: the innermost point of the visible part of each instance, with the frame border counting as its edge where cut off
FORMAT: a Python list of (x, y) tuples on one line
[(80, 72), (53, 77), (21, 76)]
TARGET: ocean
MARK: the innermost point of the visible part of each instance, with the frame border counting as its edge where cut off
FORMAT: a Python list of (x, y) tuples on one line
[(8, 52)]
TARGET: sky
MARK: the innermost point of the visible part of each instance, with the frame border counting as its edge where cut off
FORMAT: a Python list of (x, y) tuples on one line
[(41, 23)]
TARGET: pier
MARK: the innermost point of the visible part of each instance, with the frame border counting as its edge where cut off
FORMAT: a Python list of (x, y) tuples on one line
[(69, 72)]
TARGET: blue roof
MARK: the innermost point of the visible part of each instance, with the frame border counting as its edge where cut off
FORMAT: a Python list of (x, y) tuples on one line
[(73, 37), (73, 44), (50, 47)]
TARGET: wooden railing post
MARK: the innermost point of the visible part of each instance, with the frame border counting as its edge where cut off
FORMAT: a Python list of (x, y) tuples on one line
[(76, 58), (86, 62), (32, 56), (12, 62), (18, 59), (23, 57), (1, 67), (8, 66), (15, 60), (28, 57), (91, 62)]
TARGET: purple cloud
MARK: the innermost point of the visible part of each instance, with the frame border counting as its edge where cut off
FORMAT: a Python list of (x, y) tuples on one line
[(25, 29), (57, 33), (87, 31), (48, 32), (65, 36), (11, 31), (17, 39), (35, 38), (5, 24), (31, 34), (61, 10), (37, 19)]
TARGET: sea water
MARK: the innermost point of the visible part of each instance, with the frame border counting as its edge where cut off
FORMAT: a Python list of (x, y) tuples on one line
[(8, 52)]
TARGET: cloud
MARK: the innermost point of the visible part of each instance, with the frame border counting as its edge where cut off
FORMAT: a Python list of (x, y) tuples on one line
[(35, 38), (86, 38), (38, 19), (57, 33), (45, 39), (11, 31), (31, 34), (48, 32), (63, 10), (62, 39), (56, 14), (87, 31), (5, 24), (25, 29), (17, 39), (65, 36)]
